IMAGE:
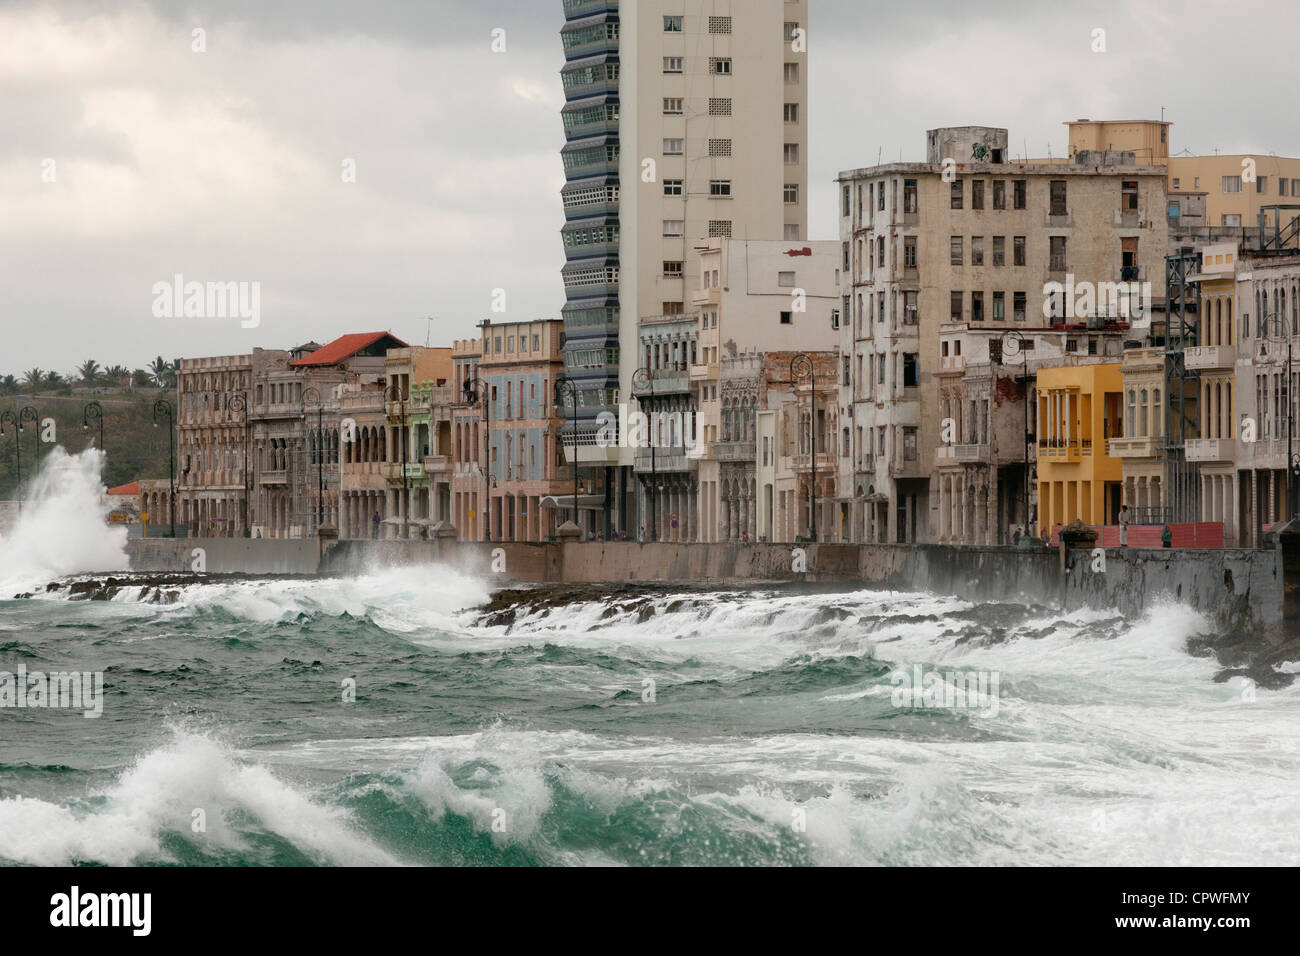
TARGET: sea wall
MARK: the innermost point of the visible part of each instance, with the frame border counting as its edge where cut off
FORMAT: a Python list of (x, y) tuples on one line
[(1234, 587)]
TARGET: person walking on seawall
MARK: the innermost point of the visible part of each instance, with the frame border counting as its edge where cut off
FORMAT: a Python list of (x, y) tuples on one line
[(1123, 526), (374, 525), (1046, 536), (1166, 538)]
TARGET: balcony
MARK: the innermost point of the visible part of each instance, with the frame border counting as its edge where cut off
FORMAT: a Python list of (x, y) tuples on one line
[(826, 461), (736, 451), (1062, 451), (964, 455), (665, 461), (710, 296), (952, 363), (437, 465), (1129, 218), (1209, 449), (580, 8), (1268, 453), (700, 373), (1059, 219), (1132, 447), (1210, 357), (274, 478), (393, 472)]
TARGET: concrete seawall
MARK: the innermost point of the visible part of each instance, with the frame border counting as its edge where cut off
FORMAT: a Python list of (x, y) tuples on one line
[(1236, 588)]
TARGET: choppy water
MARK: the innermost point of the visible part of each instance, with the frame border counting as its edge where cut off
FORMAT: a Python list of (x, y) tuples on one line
[(773, 734)]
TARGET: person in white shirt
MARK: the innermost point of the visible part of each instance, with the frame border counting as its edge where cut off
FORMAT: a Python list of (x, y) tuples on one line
[(1123, 526)]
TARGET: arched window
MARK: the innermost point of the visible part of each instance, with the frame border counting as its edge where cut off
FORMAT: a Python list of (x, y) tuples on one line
[(1157, 415), (1142, 412), (1131, 430)]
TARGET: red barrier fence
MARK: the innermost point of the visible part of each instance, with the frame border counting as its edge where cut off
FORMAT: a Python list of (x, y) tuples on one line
[(1199, 534)]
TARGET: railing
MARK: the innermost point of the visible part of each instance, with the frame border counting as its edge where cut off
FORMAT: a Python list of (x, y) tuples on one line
[(1208, 449), (1209, 356), (735, 451), (1131, 447)]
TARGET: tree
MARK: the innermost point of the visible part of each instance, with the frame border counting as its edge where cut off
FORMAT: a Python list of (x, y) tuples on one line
[(117, 375), (33, 378), (8, 385), (164, 372), (140, 378), (88, 371)]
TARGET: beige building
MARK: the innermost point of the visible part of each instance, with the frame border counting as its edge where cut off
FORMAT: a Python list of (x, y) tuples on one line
[(684, 121), (213, 475), (968, 239), (1140, 448), (416, 380)]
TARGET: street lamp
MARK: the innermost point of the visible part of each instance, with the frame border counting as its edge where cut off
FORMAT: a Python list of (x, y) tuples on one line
[(238, 403), (1279, 323), (26, 413), (801, 370), (642, 382), (477, 395), (565, 389), (164, 407), (394, 395), (93, 410), (312, 394), (1013, 344)]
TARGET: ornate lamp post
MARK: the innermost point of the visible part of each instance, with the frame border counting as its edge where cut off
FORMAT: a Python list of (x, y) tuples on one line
[(27, 413), (1280, 327), (394, 395), (312, 394), (642, 382), (478, 396), (565, 389), (238, 403), (93, 411), (160, 408), (801, 370)]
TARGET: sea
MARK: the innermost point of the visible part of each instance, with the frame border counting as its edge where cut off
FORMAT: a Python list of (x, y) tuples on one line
[(389, 719)]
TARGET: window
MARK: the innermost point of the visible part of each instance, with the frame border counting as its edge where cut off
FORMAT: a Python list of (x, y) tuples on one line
[(790, 232), (719, 106), (909, 252), (785, 280), (909, 308), (537, 341), (1128, 195), (999, 194), (1018, 306), (1018, 250), (1058, 197), (999, 307), (720, 188), (790, 112), (911, 370), (977, 306), (673, 269), (791, 193), (1295, 187), (785, 318), (846, 205), (977, 194), (1232, 184), (1232, 219), (674, 147), (909, 197), (720, 228), (880, 251), (790, 152), (1281, 185), (673, 187), (1057, 263), (1018, 191), (1176, 186), (909, 443), (720, 65), (1174, 210), (1261, 184), (977, 250), (955, 201), (999, 250), (672, 64), (672, 24), (674, 228), (719, 24), (954, 306), (792, 72), (673, 106), (719, 147)]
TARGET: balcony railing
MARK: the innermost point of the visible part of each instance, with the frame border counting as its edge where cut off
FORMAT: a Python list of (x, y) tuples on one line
[(735, 451), (1132, 447), (1209, 449), (1210, 357)]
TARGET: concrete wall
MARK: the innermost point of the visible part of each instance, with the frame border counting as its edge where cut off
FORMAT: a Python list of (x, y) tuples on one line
[(1236, 588)]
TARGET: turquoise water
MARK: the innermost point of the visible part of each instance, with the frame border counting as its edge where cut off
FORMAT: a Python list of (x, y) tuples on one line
[(724, 728)]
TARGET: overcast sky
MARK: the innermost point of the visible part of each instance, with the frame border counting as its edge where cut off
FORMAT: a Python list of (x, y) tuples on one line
[(227, 164)]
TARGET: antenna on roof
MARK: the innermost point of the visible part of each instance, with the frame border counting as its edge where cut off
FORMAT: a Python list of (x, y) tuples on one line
[(428, 329)]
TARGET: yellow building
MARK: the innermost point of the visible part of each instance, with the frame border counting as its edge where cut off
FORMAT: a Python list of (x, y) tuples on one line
[(1079, 409), (1235, 185)]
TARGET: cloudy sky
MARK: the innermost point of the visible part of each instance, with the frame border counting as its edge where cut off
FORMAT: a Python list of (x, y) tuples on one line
[(227, 164)]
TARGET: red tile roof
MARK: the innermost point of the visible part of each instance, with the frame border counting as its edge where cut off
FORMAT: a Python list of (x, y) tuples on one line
[(131, 488), (345, 347)]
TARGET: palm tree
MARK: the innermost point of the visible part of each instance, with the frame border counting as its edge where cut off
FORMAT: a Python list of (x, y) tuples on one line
[(8, 385), (54, 379), (117, 374), (140, 378), (33, 378), (164, 372), (88, 370)]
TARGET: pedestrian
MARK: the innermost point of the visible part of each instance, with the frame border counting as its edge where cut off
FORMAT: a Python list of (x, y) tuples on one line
[(374, 525), (1123, 526), (1166, 538), (1046, 535), (1015, 537)]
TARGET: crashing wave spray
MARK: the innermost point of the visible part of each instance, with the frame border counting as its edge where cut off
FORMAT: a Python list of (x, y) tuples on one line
[(64, 525)]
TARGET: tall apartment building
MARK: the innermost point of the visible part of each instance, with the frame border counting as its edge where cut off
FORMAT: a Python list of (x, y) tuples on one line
[(213, 472), (684, 120), (970, 242)]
